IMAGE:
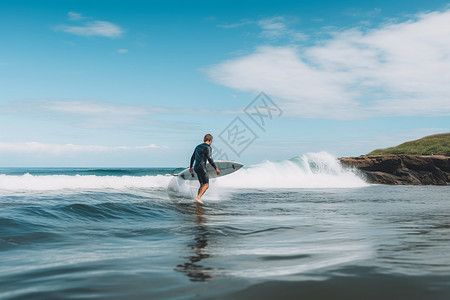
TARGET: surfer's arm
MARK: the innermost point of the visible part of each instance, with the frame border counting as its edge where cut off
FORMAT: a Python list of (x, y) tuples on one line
[(191, 164), (211, 161)]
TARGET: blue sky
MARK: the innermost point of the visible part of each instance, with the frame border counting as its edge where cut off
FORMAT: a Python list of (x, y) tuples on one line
[(138, 83)]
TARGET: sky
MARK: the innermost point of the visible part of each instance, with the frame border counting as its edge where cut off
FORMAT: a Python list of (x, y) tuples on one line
[(139, 83)]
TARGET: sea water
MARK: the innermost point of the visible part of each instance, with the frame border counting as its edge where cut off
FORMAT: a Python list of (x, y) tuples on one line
[(303, 228)]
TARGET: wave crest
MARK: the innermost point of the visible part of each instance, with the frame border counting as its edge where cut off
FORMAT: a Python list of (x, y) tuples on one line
[(312, 170)]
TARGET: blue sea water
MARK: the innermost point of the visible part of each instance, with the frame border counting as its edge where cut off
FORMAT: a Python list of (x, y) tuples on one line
[(297, 229)]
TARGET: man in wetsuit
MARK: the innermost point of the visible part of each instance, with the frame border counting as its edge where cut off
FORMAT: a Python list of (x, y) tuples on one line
[(202, 153)]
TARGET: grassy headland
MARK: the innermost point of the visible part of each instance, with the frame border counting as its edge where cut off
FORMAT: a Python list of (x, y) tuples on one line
[(433, 144)]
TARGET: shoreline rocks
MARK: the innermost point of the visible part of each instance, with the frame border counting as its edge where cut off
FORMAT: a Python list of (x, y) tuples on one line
[(402, 169)]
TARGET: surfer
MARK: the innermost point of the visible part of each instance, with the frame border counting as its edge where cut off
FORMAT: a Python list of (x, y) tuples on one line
[(202, 153)]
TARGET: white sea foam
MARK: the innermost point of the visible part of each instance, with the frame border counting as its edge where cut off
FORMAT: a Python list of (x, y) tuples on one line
[(30, 182), (313, 170)]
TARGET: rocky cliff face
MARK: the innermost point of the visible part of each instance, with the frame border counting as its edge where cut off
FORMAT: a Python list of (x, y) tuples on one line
[(402, 169)]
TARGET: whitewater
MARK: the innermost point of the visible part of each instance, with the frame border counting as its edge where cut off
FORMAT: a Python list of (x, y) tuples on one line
[(313, 170)]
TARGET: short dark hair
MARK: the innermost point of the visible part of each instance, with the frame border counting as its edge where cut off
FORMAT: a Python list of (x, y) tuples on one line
[(208, 138)]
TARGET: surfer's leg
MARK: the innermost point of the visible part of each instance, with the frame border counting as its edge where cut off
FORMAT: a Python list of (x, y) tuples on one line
[(201, 191), (204, 183)]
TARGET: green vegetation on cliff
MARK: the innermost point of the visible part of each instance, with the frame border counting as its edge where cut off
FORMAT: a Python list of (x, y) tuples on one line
[(433, 144)]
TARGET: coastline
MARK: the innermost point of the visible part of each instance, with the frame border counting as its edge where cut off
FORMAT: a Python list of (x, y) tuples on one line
[(401, 169)]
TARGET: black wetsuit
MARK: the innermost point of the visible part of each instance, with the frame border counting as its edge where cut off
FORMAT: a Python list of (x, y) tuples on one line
[(202, 153)]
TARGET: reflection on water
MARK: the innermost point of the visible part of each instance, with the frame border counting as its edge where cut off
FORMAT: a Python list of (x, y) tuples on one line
[(192, 268)]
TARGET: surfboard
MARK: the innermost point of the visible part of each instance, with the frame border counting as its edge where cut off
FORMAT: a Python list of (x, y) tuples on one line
[(225, 167)]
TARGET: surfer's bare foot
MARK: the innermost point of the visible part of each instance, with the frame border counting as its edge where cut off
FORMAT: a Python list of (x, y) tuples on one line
[(199, 201)]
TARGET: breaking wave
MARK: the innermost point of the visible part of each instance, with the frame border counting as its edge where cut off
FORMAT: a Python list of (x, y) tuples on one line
[(313, 170), (29, 182)]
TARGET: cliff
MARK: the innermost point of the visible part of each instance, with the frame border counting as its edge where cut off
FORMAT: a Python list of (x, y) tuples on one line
[(402, 169)]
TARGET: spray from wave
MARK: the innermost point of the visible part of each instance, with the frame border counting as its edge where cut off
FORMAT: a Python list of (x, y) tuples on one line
[(313, 170)]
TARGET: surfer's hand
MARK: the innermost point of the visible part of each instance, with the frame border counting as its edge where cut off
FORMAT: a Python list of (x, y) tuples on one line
[(217, 171), (191, 170)]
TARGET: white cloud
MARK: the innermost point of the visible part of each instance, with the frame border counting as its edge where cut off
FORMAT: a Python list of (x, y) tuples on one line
[(100, 114), (95, 108), (235, 25), (396, 69), (355, 12), (59, 149), (272, 28), (104, 115), (151, 146), (94, 28), (122, 51), (103, 109), (74, 16), (277, 27), (278, 72)]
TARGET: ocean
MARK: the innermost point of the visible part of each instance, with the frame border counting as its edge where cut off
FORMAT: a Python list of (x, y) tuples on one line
[(301, 228)]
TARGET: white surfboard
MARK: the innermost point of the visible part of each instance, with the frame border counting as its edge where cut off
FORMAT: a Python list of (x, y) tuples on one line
[(183, 185), (225, 167)]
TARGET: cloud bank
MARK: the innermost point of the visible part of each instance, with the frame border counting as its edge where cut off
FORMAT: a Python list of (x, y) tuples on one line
[(96, 114), (59, 149), (398, 69)]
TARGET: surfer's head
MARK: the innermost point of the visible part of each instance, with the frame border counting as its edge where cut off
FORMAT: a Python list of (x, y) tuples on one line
[(208, 138)]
